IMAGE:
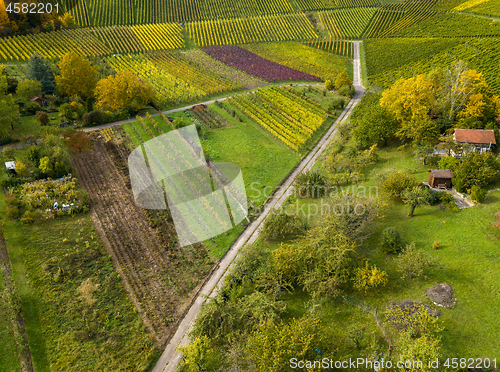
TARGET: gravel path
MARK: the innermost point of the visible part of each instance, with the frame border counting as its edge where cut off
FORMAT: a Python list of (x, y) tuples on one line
[(171, 357)]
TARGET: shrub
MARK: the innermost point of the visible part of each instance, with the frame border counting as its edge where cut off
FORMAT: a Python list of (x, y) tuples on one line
[(281, 226), (436, 245), (346, 90), (31, 216), (391, 241), (369, 277), (312, 184), (337, 103), (477, 194), (32, 107), (107, 117), (42, 118)]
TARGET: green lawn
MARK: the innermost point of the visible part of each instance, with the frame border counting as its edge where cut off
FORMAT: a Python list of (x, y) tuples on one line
[(469, 260), (66, 331)]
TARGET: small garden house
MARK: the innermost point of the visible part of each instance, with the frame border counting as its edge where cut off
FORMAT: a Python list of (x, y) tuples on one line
[(440, 178)]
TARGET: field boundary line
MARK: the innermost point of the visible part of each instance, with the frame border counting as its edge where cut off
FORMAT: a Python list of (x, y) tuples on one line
[(171, 357)]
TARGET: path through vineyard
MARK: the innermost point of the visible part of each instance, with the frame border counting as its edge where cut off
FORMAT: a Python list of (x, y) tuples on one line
[(171, 357)]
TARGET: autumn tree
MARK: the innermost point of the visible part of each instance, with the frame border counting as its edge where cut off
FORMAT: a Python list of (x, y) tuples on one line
[(68, 21), (459, 83), (414, 197), (78, 76), (39, 69), (29, 88), (122, 91), (42, 118), (78, 141), (410, 99), (342, 79), (419, 130)]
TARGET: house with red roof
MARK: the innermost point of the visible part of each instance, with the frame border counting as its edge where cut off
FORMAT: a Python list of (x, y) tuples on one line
[(479, 140)]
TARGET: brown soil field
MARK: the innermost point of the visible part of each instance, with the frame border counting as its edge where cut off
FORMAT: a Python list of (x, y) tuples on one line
[(160, 277)]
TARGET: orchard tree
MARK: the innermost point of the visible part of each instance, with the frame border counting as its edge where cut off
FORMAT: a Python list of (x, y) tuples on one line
[(414, 197), (397, 182), (375, 126), (39, 69), (29, 88), (78, 76), (122, 91), (369, 277), (272, 345), (412, 263), (78, 141), (68, 21)]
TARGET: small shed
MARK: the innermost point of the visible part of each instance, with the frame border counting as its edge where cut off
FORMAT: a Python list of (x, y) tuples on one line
[(440, 178), (11, 166), (41, 101)]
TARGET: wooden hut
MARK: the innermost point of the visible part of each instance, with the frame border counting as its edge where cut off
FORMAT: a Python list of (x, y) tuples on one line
[(440, 178)]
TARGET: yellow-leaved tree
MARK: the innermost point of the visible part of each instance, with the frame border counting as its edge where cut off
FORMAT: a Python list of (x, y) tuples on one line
[(409, 99), (78, 76), (123, 90)]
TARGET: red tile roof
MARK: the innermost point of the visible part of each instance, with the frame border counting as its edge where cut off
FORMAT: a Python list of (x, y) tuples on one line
[(437, 173), (482, 136)]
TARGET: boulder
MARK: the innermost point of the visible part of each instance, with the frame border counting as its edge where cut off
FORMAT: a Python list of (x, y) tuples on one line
[(441, 295)]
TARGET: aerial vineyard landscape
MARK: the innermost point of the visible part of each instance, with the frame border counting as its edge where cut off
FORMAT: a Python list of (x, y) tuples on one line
[(251, 186)]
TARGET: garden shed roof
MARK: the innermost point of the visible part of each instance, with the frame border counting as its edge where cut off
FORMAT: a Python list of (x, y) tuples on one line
[(438, 173)]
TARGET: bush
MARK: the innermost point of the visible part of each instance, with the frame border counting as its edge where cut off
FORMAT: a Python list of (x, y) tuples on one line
[(123, 114), (32, 107), (391, 241), (432, 161), (282, 226), (312, 184), (107, 117), (337, 103), (346, 90), (436, 245), (477, 194), (42, 118), (93, 118), (31, 216)]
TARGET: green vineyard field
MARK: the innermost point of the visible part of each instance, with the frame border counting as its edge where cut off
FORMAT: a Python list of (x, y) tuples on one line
[(489, 7), (482, 54), (250, 30), (346, 23), (454, 25)]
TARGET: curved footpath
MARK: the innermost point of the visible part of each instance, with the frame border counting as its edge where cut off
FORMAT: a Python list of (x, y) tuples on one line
[(171, 357)]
